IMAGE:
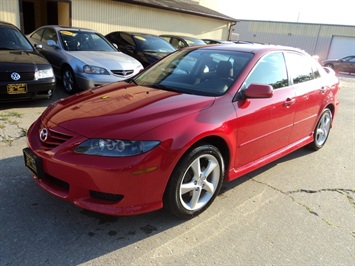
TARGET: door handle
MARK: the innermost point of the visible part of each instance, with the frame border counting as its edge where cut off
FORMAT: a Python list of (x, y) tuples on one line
[(289, 102)]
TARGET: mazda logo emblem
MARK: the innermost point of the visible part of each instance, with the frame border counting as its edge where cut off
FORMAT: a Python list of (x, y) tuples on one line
[(43, 135), (15, 76)]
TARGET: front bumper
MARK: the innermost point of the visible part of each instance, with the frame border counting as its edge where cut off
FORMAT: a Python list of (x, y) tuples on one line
[(88, 81), (115, 186), (34, 90)]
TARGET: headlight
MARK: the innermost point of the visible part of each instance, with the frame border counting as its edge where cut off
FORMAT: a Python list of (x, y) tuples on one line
[(95, 70), (115, 147), (44, 73)]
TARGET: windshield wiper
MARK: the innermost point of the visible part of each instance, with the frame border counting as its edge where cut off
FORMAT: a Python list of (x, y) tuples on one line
[(6, 48), (131, 81), (162, 87)]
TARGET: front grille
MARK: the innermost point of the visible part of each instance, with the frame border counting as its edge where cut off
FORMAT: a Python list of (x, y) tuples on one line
[(106, 196), (122, 72), (24, 76), (54, 139)]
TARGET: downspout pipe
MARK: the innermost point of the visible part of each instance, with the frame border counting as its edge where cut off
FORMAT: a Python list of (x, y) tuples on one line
[(231, 29)]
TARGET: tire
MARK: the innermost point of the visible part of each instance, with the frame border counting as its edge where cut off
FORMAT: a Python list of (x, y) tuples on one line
[(68, 80), (195, 182), (329, 65), (322, 130)]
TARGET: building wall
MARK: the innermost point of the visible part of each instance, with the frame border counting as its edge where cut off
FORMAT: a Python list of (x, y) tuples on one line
[(314, 38), (105, 16), (9, 11)]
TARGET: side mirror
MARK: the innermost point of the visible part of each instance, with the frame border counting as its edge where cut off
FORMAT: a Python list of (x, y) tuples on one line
[(115, 45), (52, 43), (259, 91), (38, 46)]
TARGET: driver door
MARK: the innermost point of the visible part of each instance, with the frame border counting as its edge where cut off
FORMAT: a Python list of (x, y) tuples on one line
[(265, 124)]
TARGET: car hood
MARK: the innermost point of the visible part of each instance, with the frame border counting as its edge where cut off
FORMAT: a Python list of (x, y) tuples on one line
[(11, 59), (111, 60), (121, 110)]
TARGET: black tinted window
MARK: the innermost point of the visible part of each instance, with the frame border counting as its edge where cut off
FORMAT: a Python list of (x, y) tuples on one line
[(125, 39)]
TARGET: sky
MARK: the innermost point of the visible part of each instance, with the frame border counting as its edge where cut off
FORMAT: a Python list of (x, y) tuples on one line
[(339, 12)]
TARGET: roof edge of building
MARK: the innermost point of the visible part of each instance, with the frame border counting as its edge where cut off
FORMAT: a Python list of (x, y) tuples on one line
[(181, 7)]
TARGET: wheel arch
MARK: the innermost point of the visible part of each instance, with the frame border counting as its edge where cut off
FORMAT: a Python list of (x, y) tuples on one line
[(331, 108), (216, 141), (64, 66)]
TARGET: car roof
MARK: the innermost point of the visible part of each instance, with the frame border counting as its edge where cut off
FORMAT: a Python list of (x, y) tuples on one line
[(247, 47), (7, 24), (179, 36), (58, 27), (133, 33)]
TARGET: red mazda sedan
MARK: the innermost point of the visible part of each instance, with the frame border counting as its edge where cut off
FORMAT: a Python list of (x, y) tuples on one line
[(172, 134)]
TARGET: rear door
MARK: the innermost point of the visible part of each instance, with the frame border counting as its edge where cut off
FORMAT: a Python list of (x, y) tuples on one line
[(309, 92), (265, 125), (350, 66)]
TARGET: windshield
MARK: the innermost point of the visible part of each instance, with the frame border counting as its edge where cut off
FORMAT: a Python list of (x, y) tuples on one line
[(84, 41), (154, 44), (196, 71), (12, 39)]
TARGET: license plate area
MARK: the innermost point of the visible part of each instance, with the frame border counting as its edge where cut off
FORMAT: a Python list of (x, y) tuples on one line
[(17, 88), (33, 163)]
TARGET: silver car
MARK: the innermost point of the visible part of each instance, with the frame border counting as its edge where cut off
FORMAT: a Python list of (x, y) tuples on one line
[(82, 58)]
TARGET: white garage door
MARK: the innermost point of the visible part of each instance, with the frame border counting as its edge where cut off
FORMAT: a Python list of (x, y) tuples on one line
[(341, 47)]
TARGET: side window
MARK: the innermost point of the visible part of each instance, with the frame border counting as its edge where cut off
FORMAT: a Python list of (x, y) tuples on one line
[(176, 43), (270, 70), (300, 68), (49, 34), (126, 39), (37, 35), (315, 69), (166, 38)]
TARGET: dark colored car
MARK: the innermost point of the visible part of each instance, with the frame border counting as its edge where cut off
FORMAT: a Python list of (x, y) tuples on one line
[(346, 64), (146, 48), (24, 73), (182, 41), (83, 58), (215, 41), (174, 133)]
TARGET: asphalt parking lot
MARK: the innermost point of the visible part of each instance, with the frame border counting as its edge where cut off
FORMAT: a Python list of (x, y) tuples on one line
[(299, 210)]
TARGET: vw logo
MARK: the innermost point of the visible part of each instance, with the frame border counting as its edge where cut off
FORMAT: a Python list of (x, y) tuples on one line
[(15, 76), (43, 135)]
